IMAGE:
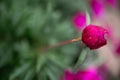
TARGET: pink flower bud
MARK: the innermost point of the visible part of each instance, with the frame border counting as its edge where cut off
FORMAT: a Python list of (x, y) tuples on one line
[(93, 36)]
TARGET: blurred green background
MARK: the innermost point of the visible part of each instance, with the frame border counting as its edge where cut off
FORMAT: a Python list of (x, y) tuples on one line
[(28, 25)]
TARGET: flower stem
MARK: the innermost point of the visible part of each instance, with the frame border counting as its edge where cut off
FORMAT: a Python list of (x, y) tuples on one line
[(61, 44)]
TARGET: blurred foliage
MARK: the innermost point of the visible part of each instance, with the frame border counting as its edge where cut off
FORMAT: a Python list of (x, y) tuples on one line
[(28, 25)]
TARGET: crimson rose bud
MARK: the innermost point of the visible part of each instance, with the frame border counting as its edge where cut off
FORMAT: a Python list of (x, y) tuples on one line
[(93, 36)]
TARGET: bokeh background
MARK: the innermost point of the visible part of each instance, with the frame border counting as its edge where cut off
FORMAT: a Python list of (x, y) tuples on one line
[(28, 25)]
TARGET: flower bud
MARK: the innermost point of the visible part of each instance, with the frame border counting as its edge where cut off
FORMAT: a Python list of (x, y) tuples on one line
[(93, 36)]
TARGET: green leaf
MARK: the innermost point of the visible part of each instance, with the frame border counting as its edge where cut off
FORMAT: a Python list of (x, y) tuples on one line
[(81, 58), (50, 74), (55, 70), (43, 76), (30, 74), (88, 17), (24, 50), (41, 61), (36, 22), (19, 71), (57, 60), (5, 57)]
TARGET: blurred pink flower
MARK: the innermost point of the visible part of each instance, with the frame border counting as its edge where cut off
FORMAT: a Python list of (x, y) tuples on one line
[(69, 75), (87, 74), (112, 3), (97, 7), (79, 20), (93, 36), (117, 49), (103, 71)]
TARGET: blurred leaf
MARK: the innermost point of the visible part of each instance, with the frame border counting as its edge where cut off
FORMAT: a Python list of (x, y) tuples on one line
[(30, 74), (88, 18), (20, 70), (55, 70), (41, 61), (57, 60), (43, 76), (23, 48), (5, 56), (4, 59), (36, 22), (64, 30), (50, 74), (81, 58)]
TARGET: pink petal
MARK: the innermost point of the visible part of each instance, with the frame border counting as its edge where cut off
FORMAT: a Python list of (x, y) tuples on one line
[(89, 74), (68, 75), (112, 3), (79, 20), (98, 7)]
